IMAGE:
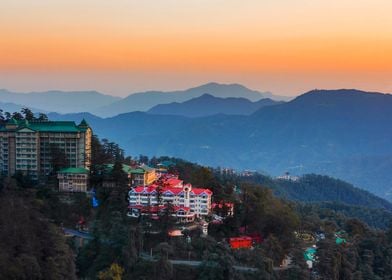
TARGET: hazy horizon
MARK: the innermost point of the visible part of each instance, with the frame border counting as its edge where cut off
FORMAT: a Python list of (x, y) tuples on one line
[(285, 47)]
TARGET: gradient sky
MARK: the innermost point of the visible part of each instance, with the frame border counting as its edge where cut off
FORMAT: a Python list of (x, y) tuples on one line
[(121, 46)]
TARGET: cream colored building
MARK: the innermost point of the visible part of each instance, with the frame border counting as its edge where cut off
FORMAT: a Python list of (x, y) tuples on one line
[(28, 146), (73, 179)]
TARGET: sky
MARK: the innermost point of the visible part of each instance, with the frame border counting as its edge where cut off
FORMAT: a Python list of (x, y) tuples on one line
[(122, 46)]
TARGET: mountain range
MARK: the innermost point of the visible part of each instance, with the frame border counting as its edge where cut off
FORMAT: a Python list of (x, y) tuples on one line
[(107, 105), (342, 133), (144, 101), (207, 105), (58, 101)]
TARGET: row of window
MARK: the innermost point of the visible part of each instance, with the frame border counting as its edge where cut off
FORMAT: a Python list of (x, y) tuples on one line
[(25, 166)]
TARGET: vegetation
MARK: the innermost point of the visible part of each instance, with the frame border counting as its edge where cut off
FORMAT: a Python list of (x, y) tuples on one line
[(281, 212), (24, 114), (31, 246)]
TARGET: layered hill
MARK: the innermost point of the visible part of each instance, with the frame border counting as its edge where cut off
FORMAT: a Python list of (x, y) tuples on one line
[(144, 101), (58, 101), (342, 133), (207, 105)]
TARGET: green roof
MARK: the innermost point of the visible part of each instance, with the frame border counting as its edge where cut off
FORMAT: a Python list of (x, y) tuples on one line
[(147, 168), (74, 170), (137, 171), (48, 126), (58, 126), (310, 254), (130, 170), (167, 163), (340, 240)]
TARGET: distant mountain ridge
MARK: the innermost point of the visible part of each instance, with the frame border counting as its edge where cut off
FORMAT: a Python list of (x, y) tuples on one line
[(144, 101), (107, 105), (207, 105), (12, 107), (58, 101), (346, 134)]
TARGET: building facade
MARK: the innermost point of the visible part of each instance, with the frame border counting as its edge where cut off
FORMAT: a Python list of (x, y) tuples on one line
[(172, 190), (73, 179), (32, 147), (142, 176), (137, 175)]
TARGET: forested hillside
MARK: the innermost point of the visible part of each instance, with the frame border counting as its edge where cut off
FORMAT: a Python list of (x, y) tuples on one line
[(344, 134)]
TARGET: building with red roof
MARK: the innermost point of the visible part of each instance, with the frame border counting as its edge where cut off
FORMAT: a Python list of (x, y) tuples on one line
[(194, 201)]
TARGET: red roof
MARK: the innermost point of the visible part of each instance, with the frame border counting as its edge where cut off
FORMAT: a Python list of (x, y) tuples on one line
[(172, 190), (148, 189), (173, 182), (240, 238), (200, 191)]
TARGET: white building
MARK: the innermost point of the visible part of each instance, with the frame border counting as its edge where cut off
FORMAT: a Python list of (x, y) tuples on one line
[(182, 197)]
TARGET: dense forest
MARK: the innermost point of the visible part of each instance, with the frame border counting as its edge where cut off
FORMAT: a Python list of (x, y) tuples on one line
[(286, 214)]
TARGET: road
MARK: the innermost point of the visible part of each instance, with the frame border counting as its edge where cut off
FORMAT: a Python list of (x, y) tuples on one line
[(73, 232), (198, 263)]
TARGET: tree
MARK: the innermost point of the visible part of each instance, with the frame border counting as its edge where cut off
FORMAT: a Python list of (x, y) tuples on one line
[(114, 272), (17, 116), (166, 219), (28, 114), (31, 247), (218, 263), (42, 117)]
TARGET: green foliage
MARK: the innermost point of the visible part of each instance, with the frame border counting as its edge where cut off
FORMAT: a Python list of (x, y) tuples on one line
[(31, 247), (217, 264), (24, 114), (64, 209), (317, 188), (114, 272)]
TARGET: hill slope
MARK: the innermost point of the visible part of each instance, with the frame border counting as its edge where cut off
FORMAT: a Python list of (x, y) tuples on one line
[(342, 133), (317, 188), (207, 105)]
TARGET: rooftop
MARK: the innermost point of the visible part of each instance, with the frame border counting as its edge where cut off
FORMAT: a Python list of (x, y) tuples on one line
[(131, 170), (73, 170), (44, 126)]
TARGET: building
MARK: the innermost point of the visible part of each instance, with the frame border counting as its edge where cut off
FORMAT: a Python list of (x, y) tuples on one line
[(30, 147), (223, 209), (245, 242), (171, 189), (182, 214), (143, 175), (241, 242), (73, 179), (287, 177), (137, 176)]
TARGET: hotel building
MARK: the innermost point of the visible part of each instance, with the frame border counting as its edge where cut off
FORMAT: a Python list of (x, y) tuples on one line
[(28, 146), (188, 202)]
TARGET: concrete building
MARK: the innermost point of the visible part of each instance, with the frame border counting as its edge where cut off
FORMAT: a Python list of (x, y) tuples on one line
[(192, 201), (142, 175), (73, 179), (28, 147), (137, 176)]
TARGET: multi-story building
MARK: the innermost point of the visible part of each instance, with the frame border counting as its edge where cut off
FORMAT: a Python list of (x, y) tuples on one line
[(137, 176), (73, 179), (143, 175), (182, 196), (31, 147)]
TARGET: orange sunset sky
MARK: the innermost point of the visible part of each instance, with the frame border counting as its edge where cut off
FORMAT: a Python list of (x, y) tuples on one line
[(122, 46)]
